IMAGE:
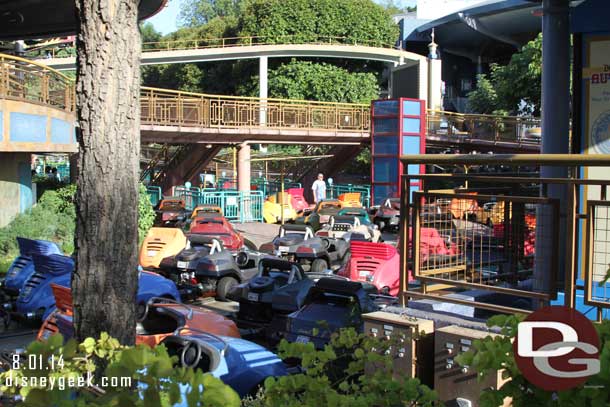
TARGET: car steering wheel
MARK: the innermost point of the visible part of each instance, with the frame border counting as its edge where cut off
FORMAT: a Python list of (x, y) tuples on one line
[(141, 312), (190, 355), (325, 243)]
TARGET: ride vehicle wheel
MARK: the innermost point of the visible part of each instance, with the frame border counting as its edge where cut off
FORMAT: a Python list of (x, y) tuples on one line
[(224, 286), (319, 266)]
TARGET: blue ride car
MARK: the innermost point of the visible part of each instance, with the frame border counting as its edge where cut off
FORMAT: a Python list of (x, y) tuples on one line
[(36, 298), (331, 304), (240, 364), (23, 267)]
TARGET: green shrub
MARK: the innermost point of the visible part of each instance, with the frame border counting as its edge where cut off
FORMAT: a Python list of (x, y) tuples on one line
[(353, 370), (146, 213), (53, 218), (492, 354), (165, 385)]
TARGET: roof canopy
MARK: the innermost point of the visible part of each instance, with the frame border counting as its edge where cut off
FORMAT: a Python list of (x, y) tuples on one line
[(21, 19)]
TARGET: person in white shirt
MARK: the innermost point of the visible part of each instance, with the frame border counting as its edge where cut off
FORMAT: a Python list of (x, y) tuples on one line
[(319, 189)]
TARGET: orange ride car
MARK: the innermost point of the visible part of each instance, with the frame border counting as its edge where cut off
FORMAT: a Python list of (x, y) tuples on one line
[(160, 318), (160, 243)]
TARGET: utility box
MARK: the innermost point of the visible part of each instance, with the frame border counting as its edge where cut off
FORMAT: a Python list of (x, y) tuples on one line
[(457, 385), (413, 356)]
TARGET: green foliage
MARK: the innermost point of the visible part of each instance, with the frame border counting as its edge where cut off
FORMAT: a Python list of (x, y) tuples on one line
[(353, 370), (194, 13), (146, 213), (394, 7), (152, 379), (148, 33), (508, 87), (492, 354), (306, 80), (307, 20), (53, 218), (302, 20)]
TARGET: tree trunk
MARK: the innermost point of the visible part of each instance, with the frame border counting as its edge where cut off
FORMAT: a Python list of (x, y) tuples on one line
[(107, 97)]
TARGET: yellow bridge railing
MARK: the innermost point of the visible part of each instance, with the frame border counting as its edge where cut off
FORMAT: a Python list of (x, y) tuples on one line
[(69, 50), (483, 127), (174, 108), (22, 79)]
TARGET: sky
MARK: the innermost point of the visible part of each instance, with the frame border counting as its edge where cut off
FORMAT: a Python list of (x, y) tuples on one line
[(165, 21)]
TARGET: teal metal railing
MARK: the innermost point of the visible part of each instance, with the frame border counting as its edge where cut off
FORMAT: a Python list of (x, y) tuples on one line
[(236, 206), (365, 192), (272, 187), (154, 193)]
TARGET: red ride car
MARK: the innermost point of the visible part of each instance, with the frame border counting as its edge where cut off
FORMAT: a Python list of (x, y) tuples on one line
[(219, 227), (298, 201), (374, 263)]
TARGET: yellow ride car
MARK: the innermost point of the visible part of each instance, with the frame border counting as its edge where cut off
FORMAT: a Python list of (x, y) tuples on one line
[(272, 209)]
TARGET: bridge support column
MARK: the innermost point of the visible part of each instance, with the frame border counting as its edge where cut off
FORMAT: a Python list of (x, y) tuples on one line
[(262, 87), (555, 128), (243, 167)]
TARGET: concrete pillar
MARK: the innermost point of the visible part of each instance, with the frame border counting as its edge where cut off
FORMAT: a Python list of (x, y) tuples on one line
[(262, 87), (243, 167), (16, 194), (555, 125)]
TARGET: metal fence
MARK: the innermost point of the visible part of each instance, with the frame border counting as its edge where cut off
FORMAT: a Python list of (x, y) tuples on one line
[(503, 234), (365, 192), (237, 206), (22, 79), (154, 194), (230, 42), (174, 108), (483, 127)]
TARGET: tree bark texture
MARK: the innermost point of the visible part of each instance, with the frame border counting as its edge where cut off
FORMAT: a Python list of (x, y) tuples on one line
[(105, 281)]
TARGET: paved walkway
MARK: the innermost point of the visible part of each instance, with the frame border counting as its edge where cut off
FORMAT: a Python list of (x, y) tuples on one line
[(258, 233)]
